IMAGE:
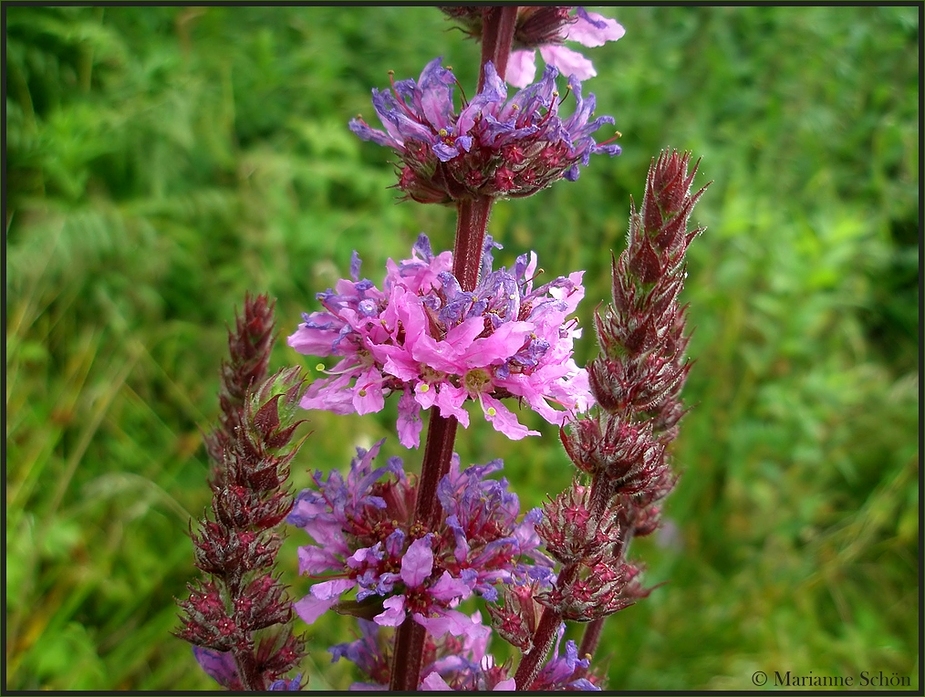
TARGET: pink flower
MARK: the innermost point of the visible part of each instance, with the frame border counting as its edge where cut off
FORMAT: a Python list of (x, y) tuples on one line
[(588, 29), (436, 345)]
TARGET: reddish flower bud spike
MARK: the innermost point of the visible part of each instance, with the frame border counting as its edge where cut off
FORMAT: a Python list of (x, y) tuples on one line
[(250, 452)]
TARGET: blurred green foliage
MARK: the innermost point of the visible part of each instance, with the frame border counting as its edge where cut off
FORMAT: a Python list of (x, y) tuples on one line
[(163, 160)]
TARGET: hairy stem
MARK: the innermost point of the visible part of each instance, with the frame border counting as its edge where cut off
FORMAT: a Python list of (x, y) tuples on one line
[(248, 671)]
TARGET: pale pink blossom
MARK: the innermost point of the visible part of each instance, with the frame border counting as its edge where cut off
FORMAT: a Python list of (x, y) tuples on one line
[(588, 29)]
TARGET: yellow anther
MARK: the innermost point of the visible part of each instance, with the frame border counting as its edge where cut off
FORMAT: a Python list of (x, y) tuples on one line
[(320, 367), (491, 411), (425, 387)]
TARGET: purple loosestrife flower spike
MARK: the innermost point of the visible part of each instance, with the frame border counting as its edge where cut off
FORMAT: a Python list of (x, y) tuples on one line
[(239, 618), (436, 345), (493, 147), (546, 28)]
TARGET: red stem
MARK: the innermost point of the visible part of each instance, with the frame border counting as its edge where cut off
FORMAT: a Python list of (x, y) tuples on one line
[(472, 221), (409, 654), (497, 38), (409, 640), (441, 433)]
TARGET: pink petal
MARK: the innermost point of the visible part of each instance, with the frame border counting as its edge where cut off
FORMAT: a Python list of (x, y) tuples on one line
[(585, 33), (448, 588), (425, 394), (409, 421), (434, 682), (454, 622), (394, 613), (396, 360), (521, 68), (503, 420), (568, 62), (507, 340), (418, 562), (368, 397), (450, 400), (313, 342), (332, 394), (445, 355)]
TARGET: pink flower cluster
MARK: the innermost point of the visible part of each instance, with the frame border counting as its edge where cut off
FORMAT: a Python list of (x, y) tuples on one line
[(434, 344)]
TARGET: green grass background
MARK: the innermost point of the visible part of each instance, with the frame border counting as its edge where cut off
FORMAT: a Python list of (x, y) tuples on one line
[(162, 161)]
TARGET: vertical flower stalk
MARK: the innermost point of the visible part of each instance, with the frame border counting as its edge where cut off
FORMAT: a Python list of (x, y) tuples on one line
[(636, 380), (239, 617), (472, 223)]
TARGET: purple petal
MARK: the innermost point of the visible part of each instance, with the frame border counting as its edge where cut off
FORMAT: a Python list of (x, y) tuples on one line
[(436, 94), (315, 561), (455, 623), (321, 598), (218, 665), (362, 129)]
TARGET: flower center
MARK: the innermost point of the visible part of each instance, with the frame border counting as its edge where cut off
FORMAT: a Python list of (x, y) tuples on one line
[(476, 380)]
